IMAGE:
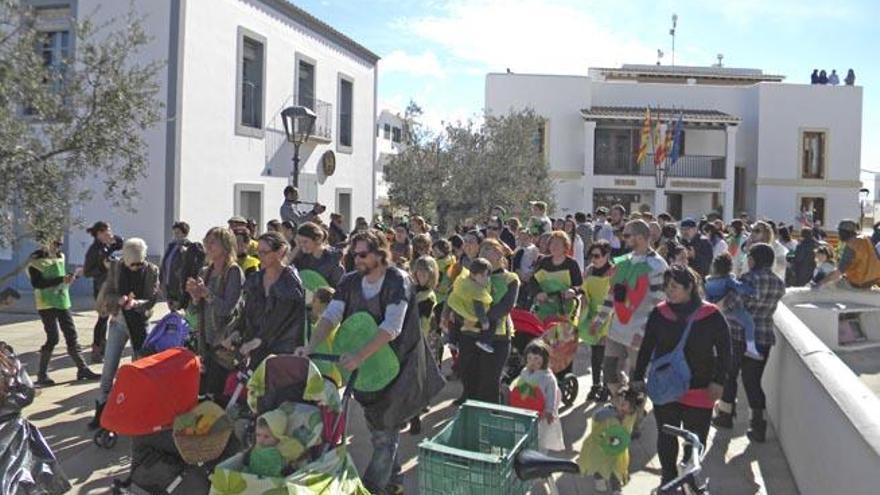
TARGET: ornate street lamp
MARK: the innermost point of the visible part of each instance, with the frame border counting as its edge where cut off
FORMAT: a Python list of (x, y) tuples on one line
[(298, 122)]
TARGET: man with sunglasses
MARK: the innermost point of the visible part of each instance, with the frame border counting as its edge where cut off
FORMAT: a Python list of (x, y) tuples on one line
[(388, 295)]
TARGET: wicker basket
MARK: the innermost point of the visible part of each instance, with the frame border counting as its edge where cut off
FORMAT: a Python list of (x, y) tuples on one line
[(196, 449)]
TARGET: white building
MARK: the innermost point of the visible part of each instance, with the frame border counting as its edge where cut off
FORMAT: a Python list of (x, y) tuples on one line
[(231, 67), (389, 142), (751, 142)]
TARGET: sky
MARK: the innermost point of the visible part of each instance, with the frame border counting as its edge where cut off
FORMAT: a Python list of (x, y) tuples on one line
[(438, 52)]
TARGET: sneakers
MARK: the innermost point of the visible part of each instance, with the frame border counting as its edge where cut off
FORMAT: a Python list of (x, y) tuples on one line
[(752, 352), (485, 347)]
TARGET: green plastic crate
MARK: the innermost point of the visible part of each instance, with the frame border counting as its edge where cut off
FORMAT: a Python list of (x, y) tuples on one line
[(474, 453)]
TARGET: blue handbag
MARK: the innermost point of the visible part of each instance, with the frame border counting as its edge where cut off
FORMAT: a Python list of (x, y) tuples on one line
[(669, 376)]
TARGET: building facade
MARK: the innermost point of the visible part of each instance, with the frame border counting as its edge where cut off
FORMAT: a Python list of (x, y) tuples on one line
[(231, 67), (389, 142), (751, 142)]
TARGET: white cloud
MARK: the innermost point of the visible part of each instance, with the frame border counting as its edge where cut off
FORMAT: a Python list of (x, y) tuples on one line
[(424, 64), (527, 36), (785, 11)]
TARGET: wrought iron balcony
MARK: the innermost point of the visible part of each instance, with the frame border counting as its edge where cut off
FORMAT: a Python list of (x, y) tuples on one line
[(323, 130), (691, 166)]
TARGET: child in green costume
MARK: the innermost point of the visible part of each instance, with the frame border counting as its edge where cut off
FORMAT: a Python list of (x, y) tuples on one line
[(265, 459), (605, 452), (469, 302), (425, 274)]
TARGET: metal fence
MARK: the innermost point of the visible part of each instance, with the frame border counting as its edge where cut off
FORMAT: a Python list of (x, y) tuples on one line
[(693, 166)]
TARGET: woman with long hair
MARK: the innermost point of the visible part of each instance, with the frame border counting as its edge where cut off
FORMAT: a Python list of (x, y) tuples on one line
[(216, 295), (97, 262), (597, 283)]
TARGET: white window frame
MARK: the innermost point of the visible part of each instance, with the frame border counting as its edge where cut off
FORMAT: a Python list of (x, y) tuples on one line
[(249, 187), (826, 152), (342, 148), (301, 57), (240, 128)]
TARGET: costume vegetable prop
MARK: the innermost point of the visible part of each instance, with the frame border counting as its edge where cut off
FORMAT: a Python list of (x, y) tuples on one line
[(526, 395), (378, 370), (630, 285)]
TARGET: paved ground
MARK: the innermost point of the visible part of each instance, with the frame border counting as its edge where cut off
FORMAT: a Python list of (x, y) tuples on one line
[(735, 466)]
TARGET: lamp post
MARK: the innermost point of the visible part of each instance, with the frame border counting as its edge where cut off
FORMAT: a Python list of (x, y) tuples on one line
[(298, 124), (660, 173)]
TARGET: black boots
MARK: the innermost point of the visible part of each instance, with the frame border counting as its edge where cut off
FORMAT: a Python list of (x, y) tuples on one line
[(95, 423), (85, 374), (82, 371), (757, 427), (43, 379)]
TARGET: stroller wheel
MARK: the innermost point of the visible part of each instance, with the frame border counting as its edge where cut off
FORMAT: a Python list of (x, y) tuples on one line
[(105, 439), (569, 389)]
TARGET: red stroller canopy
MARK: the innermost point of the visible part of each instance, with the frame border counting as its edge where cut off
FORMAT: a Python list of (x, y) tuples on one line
[(150, 392), (526, 322)]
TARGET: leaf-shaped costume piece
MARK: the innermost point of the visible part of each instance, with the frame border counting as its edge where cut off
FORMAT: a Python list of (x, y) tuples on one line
[(378, 370)]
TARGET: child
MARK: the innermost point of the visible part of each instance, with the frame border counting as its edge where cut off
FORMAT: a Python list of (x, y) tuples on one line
[(322, 298), (605, 452), (535, 388), (265, 458), (824, 263), (719, 285), (469, 302), (425, 274)]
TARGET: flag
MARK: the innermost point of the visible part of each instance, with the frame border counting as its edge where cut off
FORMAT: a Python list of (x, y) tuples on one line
[(677, 136), (667, 143), (659, 144), (646, 136)]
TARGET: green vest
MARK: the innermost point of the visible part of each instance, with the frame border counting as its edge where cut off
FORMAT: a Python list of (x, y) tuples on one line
[(57, 297)]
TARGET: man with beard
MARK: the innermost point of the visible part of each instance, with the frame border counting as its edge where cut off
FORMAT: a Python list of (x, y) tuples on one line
[(387, 294)]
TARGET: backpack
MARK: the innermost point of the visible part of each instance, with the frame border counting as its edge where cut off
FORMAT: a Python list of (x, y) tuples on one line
[(171, 331), (669, 376)]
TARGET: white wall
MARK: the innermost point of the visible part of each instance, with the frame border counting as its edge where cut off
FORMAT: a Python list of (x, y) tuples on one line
[(214, 158), (695, 205), (149, 221), (706, 142)]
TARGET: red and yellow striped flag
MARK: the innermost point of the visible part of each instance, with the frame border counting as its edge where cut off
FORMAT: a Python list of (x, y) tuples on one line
[(646, 135), (659, 145)]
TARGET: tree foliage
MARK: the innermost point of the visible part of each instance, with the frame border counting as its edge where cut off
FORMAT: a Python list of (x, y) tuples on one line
[(72, 125), (465, 170)]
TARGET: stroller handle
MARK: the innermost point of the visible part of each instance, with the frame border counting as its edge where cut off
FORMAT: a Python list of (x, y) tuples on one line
[(330, 358)]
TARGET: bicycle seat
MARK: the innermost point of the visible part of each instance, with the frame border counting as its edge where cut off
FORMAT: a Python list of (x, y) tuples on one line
[(531, 465)]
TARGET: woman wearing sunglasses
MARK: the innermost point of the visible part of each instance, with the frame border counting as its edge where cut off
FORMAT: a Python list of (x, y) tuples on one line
[(597, 283), (127, 298)]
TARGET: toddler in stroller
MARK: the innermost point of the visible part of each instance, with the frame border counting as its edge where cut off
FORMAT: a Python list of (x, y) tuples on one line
[(295, 440)]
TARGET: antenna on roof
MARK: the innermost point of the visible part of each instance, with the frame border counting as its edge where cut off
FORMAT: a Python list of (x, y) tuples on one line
[(672, 33), (720, 57), (659, 55)]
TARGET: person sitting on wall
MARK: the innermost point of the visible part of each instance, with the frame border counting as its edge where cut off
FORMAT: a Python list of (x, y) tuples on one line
[(859, 263)]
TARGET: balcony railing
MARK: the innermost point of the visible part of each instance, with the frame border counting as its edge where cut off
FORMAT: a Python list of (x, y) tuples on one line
[(691, 166), (323, 130)]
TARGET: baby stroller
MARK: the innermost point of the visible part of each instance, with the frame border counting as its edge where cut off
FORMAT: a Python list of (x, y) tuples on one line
[(316, 420), (146, 397), (28, 464), (559, 333)]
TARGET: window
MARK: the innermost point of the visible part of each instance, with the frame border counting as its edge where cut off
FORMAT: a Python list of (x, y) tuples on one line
[(813, 155), (386, 131), (813, 210), (343, 207), (540, 137), (249, 201), (396, 134), (378, 130), (250, 83), (55, 50), (616, 150), (346, 96), (306, 84)]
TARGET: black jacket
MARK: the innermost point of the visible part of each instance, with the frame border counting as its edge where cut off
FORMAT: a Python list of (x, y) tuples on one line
[(707, 350), (279, 319), (96, 255), (703, 254), (803, 263)]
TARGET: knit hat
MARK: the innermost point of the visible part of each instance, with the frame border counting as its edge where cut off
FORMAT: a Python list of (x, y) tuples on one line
[(134, 250)]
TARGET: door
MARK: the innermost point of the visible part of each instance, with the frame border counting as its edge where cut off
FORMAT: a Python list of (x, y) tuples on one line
[(673, 204), (249, 202), (343, 207)]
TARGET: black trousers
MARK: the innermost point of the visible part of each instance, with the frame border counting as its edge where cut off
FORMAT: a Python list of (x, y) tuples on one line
[(751, 370), (480, 372), (137, 329), (99, 333), (690, 418), (597, 356), (52, 320)]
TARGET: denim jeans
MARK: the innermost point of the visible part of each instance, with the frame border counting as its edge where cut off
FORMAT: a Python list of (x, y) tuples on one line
[(748, 323), (117, 338), (384, 467)]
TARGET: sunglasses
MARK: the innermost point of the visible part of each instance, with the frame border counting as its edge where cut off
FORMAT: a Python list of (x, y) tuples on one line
[(362, 254)]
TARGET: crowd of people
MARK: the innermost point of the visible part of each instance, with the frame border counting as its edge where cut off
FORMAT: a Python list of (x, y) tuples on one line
[(635, 287), (822, 77)]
